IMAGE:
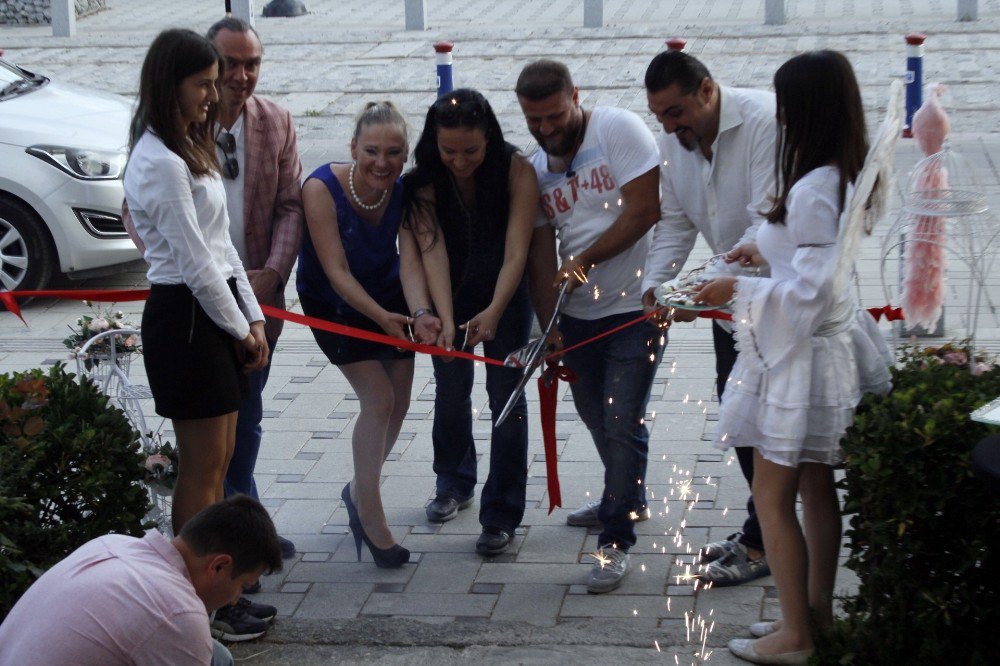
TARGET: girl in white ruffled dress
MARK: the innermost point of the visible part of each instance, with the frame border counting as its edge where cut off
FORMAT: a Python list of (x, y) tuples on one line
[(806, 353)]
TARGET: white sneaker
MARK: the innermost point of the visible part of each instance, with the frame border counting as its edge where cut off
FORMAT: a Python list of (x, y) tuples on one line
[(735, 568), (586, 515), (609, 570)]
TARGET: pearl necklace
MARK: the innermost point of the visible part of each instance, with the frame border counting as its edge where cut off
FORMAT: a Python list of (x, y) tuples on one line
[(354, 193)]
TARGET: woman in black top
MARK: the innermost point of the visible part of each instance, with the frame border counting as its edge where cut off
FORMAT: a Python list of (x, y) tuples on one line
[(470, 202)]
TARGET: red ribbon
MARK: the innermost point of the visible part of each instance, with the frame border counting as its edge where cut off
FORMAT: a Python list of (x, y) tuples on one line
[(371, 336), (548, 382), (9, 298), (548, 388)]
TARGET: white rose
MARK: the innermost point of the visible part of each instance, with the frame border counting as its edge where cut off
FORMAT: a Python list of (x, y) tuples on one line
[(99, 324)]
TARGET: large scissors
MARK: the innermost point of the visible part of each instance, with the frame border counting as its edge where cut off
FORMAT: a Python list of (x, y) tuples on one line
[(530, 357)]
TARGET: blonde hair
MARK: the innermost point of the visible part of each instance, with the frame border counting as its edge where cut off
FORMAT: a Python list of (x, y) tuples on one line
[(380, 113)]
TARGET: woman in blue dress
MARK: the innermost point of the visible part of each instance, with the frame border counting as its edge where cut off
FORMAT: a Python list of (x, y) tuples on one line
[(349, 273)]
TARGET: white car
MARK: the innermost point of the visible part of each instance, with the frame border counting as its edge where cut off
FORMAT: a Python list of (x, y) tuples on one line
[(62, 155)]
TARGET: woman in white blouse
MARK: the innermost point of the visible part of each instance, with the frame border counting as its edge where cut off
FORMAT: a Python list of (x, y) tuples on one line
[(201, 327), (807, 353)]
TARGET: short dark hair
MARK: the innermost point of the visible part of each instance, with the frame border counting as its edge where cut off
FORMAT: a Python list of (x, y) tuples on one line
[(232, 24), (172, 57), (543, 78), (823, 122), (675, 67), (237, 526)]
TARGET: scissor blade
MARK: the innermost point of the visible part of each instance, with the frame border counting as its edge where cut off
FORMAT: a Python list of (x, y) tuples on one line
[(521, 357), (533, 358)]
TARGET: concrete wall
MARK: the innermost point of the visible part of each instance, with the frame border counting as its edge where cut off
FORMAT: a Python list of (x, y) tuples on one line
[(26, 12)]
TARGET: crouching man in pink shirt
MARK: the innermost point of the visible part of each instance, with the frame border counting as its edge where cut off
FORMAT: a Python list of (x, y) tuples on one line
[(122, 600)]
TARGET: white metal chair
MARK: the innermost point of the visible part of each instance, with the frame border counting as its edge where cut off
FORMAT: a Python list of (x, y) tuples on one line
[(101, 362)]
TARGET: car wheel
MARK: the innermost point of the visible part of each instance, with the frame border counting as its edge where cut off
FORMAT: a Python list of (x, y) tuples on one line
[(26, 253)]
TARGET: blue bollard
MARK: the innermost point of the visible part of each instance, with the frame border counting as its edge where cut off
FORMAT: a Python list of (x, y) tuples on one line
[(914, 77), (445, 83)]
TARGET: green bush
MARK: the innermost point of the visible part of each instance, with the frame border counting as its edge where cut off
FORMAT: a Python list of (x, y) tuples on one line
[(924, 537), (69, 470)]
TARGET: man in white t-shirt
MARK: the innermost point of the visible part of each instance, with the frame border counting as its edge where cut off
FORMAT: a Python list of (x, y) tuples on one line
[(598, 175), (717, 149), (119, 600)]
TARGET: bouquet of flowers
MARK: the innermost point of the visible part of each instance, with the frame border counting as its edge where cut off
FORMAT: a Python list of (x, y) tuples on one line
[(957, 354), (99, 321), (161, 466)]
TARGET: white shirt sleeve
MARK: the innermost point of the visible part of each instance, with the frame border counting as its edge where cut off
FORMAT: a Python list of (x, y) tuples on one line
[(247, 299)]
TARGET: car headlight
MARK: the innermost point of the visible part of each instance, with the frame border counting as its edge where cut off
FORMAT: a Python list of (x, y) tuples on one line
[(82, 163)]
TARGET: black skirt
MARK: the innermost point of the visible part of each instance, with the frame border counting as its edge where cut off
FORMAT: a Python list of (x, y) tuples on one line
[(342, 349), (191, 363)]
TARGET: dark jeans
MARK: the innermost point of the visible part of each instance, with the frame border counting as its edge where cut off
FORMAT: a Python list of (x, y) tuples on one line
[(239, 475), (725, 358), (614, 377), (502, 501)]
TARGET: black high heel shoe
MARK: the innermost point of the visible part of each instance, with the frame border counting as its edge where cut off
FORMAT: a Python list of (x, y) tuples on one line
[(385, 558)]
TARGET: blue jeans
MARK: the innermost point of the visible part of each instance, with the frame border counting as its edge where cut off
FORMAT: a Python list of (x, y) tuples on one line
[(614, 377), (239, 475), (221, 656), (502, 502)]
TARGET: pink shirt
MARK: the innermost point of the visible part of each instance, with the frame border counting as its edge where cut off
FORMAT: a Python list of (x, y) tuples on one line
[(115, 600)]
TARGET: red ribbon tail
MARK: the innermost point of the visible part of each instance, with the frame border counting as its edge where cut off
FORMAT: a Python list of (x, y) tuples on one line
[(548, 388), (11, 304)]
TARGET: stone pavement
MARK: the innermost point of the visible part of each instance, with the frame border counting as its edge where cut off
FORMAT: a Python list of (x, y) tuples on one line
[(529, 605)]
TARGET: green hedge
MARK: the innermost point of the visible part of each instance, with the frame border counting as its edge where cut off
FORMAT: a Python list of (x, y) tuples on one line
[(925, 534), (69, 471)]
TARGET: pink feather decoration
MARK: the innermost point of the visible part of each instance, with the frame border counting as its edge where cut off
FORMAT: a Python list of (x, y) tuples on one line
[(925, 261), (930, 123)]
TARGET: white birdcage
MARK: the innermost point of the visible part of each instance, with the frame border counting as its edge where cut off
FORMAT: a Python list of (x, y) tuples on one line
[(944, 230)]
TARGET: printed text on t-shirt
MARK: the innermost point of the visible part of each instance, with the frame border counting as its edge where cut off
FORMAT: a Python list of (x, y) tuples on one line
[(557, 201)]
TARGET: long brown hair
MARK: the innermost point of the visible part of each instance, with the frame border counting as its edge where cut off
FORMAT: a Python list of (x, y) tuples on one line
[(823, 123), (173, 56)]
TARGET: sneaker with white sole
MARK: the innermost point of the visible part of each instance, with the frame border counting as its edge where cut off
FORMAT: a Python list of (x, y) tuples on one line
[(715, 550), (735, 568), (233, 624), (609, 570), (586, 515)]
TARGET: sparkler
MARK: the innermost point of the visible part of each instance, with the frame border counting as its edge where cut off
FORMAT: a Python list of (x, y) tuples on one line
[(600, 557)]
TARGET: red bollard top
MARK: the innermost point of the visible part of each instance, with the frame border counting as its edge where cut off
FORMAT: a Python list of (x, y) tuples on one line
[(915, 38), (443, 47), (676, 44)]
